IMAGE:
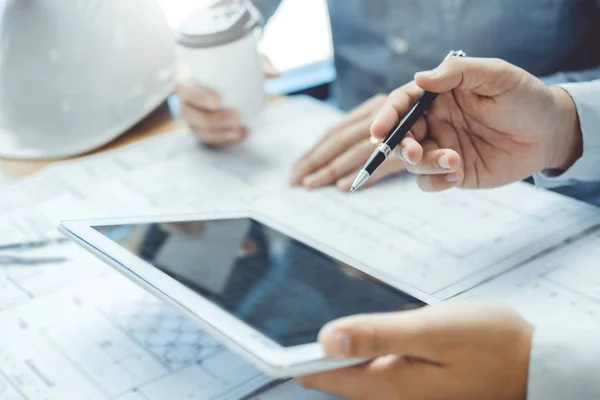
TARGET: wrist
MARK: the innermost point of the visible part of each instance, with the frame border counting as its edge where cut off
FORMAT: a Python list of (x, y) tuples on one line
[(566, 142)]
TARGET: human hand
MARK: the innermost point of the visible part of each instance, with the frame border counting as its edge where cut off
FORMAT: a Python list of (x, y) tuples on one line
[(338, 156), (202, 111), (454, 350), (492, 124)]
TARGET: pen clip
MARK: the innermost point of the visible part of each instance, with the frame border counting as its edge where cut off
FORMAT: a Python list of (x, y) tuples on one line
[(455, 53)]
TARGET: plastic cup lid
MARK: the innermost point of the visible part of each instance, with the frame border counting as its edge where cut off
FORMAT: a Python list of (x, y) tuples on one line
[(222, 22)]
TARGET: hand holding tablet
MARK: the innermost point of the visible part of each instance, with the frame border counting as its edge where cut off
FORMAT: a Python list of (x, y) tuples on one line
[(260, 288)]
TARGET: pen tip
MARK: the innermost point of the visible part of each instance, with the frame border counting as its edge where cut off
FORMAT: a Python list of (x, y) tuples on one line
[(361, 179)]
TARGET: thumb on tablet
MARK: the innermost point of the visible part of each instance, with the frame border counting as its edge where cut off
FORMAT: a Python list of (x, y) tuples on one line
[(369, 336)]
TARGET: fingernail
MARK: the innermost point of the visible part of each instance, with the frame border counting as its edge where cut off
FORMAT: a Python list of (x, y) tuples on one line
[(337, 345), (451, 178), (444, 162), (312, 181), (404, 153)]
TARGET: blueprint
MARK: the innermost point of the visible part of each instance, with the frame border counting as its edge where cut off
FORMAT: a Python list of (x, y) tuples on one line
[(441, 244), (559, 289), (105, 338), (77, 330)]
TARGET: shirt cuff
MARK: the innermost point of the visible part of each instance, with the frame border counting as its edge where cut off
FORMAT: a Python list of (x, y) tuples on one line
[(587, 168), (564, 365)]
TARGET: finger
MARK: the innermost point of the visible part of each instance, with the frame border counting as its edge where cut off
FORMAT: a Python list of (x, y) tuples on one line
[(327, 150), (390, 167), (220, 138), (210, 120), (360, 382), (344, 382), (268, 68), (383, 378), (366, 110), (396, 106), (483, 76), (361, 113), (435, 160), (340, 166), (409, 150), (439, 183), (193, 94), (417, 333)]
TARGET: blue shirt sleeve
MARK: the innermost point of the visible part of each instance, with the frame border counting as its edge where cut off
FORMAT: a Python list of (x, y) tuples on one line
[(587, 100), (563, 365)]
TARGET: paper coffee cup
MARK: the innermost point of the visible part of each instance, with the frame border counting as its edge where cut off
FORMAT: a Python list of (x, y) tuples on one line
[(218, 46)]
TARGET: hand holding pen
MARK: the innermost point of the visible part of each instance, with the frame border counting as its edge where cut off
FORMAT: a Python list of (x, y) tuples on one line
[(398, 133), (492, 124)]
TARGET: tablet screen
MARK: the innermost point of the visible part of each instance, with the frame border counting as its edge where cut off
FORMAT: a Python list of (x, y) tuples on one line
[(281, 287)]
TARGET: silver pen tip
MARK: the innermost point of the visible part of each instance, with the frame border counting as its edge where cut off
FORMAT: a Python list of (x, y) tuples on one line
[(361, 179)]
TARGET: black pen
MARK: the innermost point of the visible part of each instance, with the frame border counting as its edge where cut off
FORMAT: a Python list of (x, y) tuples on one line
[(32, 244), (394, 138)]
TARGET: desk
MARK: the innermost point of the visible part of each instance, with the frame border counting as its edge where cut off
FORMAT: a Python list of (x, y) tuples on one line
[(158, 122)]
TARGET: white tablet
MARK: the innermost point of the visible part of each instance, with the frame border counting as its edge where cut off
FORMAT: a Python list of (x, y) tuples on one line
[(260, 288)]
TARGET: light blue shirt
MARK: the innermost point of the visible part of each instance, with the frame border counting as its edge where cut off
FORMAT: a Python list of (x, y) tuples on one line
[(380, 44), (587, 169)]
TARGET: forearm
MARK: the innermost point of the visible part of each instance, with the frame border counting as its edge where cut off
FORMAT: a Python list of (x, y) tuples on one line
[(564, 364)]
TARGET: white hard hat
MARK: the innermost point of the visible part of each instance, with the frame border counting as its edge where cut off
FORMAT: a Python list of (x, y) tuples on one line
[(76, 74)]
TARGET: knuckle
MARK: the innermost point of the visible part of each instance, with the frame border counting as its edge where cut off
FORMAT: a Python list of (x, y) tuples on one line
[(193, 117), (329, 174), (187, 114), (310, 164), (213, 121), (377, 344), (453, 62), (432, 164), (380, 98), (398, 94)]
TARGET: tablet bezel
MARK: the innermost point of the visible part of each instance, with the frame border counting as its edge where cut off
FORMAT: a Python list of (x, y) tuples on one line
[(246, 341)]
